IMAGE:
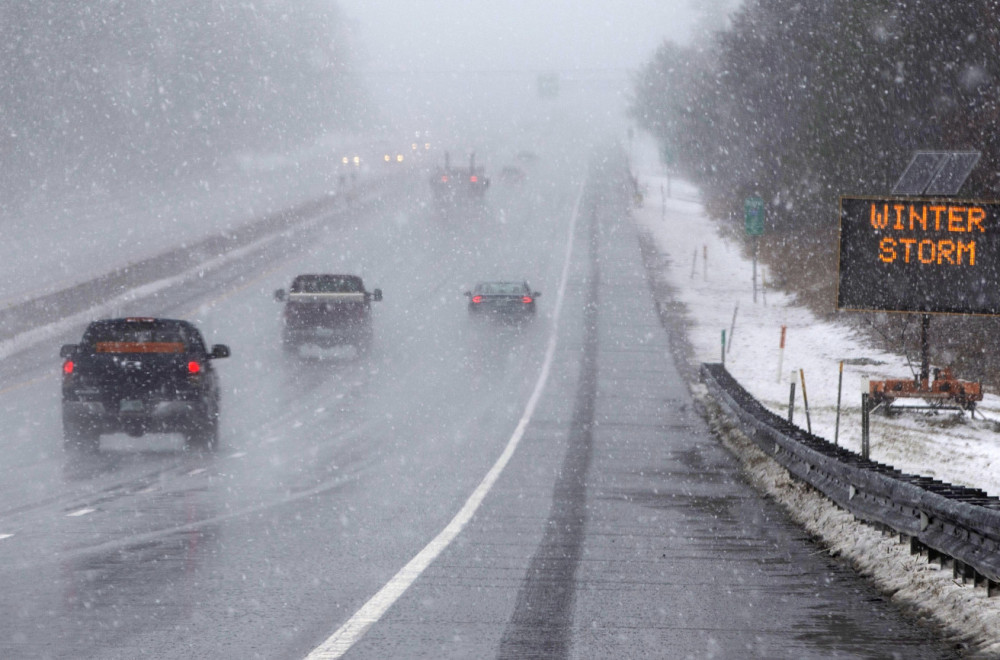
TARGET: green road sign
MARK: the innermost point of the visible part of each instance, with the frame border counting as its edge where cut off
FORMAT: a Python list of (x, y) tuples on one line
[(753, 215)]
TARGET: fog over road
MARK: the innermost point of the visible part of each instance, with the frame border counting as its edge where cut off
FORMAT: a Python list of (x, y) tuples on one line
[(620, 527)]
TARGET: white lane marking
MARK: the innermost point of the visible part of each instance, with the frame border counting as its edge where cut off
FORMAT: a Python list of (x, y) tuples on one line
[(5, 536), (80, 512), (348, 634)]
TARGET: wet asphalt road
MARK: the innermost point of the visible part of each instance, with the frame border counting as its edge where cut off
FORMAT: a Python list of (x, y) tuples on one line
[(620, 528)]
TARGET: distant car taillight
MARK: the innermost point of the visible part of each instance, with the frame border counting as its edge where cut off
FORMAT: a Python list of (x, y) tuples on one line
[(68, 367), (444, 178), (473, 178), (477, 299), (527, 300)]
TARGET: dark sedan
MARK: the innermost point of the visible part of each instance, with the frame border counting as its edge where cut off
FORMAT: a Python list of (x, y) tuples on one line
[(505, 299)]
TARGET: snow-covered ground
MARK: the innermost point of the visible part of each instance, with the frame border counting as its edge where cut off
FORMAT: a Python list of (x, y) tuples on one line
[(718, 289)]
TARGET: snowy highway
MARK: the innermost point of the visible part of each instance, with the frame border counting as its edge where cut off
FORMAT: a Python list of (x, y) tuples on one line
[(619, 527)]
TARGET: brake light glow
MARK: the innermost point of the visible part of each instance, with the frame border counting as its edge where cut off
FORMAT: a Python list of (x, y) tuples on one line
[(526, 300), (194, 367), (473, 178), (444, 178), (477, 299), (68, 367)]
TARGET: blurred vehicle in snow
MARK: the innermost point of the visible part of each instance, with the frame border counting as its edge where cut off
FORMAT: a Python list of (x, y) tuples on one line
[(451, 184), (513, 174), (527, 156), (511, 300), (140, 375), (327, 310)]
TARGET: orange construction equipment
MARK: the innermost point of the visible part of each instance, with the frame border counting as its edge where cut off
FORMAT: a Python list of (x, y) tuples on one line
[(945, 391)]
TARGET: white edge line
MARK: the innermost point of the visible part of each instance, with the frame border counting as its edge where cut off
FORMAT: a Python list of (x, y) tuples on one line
[(348, 634)]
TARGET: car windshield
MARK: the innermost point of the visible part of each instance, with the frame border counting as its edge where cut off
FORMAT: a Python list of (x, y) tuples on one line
[(327, 284)]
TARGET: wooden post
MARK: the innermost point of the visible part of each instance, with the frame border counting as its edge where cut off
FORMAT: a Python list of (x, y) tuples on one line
[(805, 400)]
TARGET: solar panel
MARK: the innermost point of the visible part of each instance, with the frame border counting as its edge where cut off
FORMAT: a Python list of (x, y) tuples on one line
[(936, 173), (919, 173), (952, 174)]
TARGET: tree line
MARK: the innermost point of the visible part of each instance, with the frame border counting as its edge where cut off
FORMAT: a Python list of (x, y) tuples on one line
[(802, 102), (144, 88)]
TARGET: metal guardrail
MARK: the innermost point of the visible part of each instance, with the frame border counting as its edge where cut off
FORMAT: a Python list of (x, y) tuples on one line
[(29, 314), (947, 522)]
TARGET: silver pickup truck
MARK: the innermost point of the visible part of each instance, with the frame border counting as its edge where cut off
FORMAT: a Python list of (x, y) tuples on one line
[(327, 310)]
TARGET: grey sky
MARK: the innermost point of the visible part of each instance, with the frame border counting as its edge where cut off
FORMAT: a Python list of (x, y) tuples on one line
[(533, 35)]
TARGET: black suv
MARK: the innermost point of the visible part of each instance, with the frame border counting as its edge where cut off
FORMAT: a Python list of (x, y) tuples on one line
[(140, 375), (327, 310)]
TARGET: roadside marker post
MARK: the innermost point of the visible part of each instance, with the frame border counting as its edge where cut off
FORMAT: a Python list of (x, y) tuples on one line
[(865, 420), (791, 398), (840, 386), (732, 327), (781, 352)]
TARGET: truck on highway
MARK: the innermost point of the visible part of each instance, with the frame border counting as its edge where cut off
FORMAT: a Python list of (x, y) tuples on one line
[(137, 376), (327, 310)]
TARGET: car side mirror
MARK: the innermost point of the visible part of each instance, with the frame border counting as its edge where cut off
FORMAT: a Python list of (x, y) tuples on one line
[(468, 294), (219, 351), (279, 295), (536, 294), (377, 294), (67, 350)]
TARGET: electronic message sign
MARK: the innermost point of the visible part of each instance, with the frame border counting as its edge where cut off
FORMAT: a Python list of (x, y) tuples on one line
[(919, 255)]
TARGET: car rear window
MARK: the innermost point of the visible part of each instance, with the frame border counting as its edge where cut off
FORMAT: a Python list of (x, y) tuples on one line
[(139, 337), (502, 288), (139, 347), (327, 284)]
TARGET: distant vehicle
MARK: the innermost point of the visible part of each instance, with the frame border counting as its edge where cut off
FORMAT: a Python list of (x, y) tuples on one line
[(502, 299), (527, 156), (138, 376), (512, 174), (327, 310), (456, 184)]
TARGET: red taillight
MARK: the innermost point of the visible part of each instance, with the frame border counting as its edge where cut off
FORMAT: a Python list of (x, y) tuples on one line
[(477, 299), (68, 367), (473, 178), (527, 300), (194, 367), (444, 179)]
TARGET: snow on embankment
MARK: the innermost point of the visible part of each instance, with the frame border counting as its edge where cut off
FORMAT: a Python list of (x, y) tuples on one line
[(712, 281)]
